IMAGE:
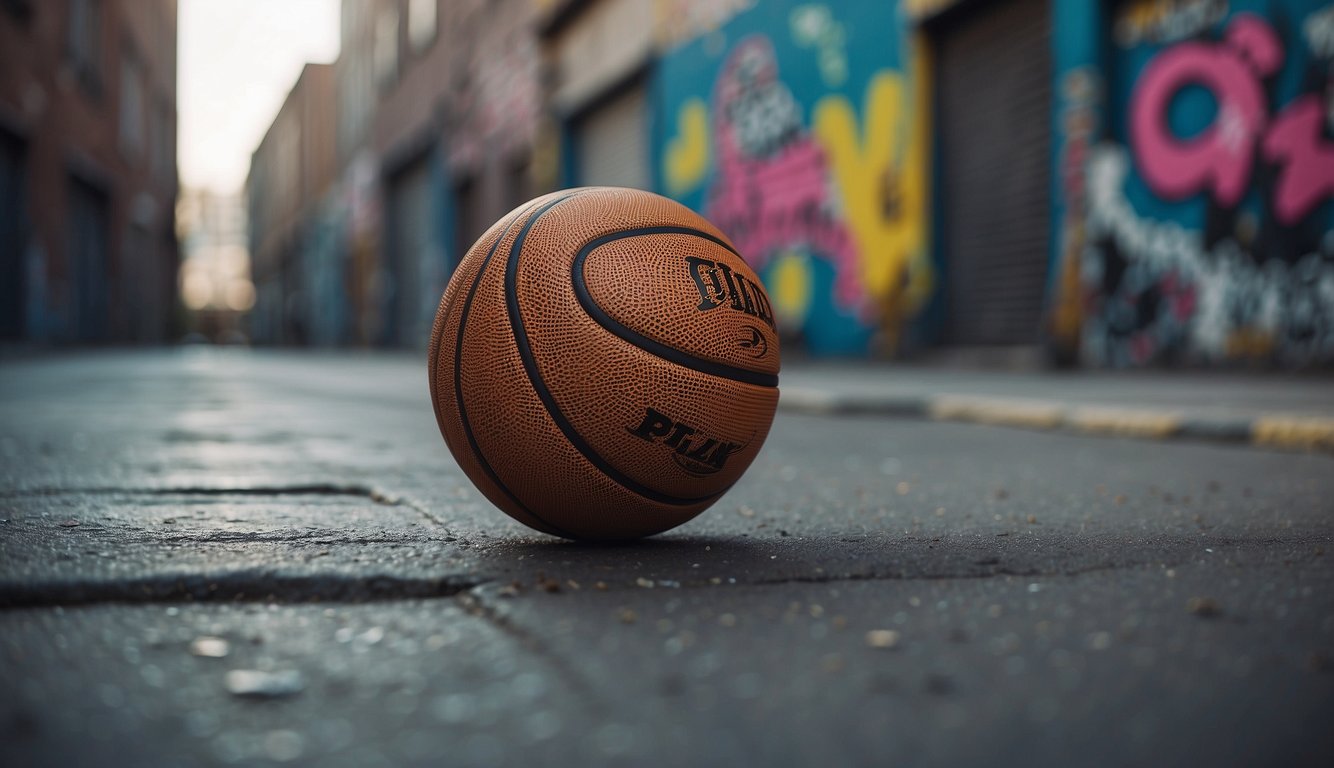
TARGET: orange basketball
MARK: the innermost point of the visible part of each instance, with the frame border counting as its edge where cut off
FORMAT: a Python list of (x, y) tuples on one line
[(603, 364)]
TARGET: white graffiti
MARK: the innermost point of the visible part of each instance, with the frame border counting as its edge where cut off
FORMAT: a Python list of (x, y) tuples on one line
[(1292, 304), (764, 115), (813, 26), (1166, 21), (1318, 29)]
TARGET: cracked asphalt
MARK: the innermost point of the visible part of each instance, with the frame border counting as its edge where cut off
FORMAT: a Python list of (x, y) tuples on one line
[(874, 591)]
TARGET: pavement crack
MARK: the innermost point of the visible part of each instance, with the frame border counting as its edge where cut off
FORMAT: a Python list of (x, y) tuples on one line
[(476, 604), (827, 578), (298, 489), (243, 585), (376, 495), (388, 499)]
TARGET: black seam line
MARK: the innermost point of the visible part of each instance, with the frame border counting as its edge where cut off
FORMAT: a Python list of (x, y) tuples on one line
[(458, 380), (657, 348), (535, 377)]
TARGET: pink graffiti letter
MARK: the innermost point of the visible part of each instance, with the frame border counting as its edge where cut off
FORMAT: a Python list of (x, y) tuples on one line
[(1295, 143), (1220, 157)]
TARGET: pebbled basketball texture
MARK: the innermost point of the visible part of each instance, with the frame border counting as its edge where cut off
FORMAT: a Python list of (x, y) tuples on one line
[(603, 364)]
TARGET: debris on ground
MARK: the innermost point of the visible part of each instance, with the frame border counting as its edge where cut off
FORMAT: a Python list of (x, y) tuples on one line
[(1204, 606), (257, 684)]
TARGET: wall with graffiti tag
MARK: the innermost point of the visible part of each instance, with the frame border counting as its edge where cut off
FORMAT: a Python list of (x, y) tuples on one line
[(1204, 219), (801, 130)]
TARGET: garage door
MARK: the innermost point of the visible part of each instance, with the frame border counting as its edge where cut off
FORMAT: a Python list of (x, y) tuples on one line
[(994, 103), (413, 283), (13, 211), (611, 143)]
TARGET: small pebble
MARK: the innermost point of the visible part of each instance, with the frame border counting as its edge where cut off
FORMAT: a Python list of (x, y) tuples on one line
[(1204, 606), (882, 638), (255, 684), (71, 523), (1099, 641), (210, 647)]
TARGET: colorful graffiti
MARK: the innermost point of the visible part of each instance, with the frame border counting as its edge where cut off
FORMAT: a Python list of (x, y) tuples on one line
[(832, 212), (1210, 234), (1220, 160), (773, 185), (1165, 21), (1079, 95)]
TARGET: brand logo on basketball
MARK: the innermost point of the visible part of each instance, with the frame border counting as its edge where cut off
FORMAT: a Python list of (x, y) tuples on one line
[(694, 453), (718, 285), (752, 340)]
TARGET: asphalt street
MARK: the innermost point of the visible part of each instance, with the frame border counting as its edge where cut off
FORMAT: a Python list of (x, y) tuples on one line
[(223, 557)]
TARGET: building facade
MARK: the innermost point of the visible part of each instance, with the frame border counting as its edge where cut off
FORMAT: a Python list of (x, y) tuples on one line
[(291, 172), (1122, 183), (1118, 183), (215, 264), (88, 179)]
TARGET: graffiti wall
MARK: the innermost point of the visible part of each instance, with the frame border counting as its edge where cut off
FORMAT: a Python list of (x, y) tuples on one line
[(1206, 219), (802, 131)]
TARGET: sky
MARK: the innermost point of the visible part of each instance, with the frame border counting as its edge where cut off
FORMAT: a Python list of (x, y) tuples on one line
[(237, 60)]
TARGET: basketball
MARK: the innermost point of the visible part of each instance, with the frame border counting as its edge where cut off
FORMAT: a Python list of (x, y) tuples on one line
[(603, 365)]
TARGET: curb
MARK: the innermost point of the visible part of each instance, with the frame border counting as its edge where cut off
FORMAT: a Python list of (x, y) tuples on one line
[(1285, 432)]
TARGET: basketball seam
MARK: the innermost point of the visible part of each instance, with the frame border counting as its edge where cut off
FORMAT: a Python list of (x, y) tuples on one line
[(458, 382), (652, 346), (544, 394)]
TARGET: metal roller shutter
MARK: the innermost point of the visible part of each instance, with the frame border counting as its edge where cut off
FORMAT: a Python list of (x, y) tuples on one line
[(611, 147), (410, 247), (13, 211), (994, 105)]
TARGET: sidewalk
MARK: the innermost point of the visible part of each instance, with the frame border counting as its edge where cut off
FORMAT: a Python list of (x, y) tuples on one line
[(1294, 412)]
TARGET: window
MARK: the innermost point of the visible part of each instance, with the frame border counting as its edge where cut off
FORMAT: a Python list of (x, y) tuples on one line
[(421, 24), (83, 43), (19, 9), (516, 181), (386, 47), (131, 105), (160, 142)]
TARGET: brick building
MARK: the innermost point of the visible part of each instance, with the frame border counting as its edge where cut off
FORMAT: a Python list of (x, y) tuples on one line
[(215, 263), (291, 172), (439, 114), (87, 170)]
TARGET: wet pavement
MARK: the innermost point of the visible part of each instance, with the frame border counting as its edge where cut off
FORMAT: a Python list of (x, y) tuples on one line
[(213, 557)]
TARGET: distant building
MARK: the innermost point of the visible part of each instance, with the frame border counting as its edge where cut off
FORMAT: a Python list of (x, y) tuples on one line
[(454, 94), (291, 172), (88, 170), (215, 266)]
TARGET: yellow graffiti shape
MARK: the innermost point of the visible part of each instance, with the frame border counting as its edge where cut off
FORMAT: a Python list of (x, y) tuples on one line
[(687, 158), (881, 171), (790, 289)]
